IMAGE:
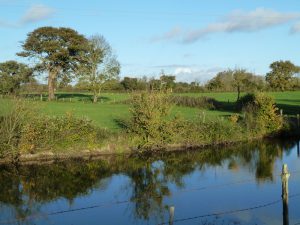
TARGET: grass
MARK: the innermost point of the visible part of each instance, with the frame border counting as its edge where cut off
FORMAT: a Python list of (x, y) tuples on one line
[(108, 111)]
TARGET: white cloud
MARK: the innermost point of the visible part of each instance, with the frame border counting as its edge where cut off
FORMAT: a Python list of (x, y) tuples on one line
[(173, 33), (241, 21), (36, 13), (237, 21), (186, 74), (181, 70)]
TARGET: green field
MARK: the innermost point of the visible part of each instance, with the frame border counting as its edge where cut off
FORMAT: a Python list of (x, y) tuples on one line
[(109, 110)]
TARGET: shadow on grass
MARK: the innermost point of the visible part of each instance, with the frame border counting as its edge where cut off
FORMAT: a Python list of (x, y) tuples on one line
[(289, 109), (227, 107), (73, 96), (122, 123)]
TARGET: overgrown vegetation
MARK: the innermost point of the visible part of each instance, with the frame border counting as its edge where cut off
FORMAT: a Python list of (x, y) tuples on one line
[(150, 121), (202, 102), (261, 114), (151, 126), (23, 130), (154, 127)]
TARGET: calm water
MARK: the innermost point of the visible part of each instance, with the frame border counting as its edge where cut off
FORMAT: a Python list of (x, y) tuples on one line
[(237, 185)]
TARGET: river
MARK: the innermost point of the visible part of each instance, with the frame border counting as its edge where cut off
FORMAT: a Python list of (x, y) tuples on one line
[(240, 184)]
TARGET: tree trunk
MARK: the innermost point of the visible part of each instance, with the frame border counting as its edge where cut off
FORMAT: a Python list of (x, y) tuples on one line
[(51, 84), (239, 92), (95, 98)]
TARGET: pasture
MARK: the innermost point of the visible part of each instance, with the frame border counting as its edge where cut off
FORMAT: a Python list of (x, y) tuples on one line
[(110, 109)]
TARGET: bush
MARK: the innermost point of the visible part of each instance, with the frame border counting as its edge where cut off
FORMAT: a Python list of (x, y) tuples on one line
[(150, 120), (261, 114), (23, 130), (57, 132), (11, 125), (197, 102), (245, 100), (218, 131)]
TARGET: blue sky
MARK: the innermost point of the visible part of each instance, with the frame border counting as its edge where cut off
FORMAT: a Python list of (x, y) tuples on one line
[(193, 39)]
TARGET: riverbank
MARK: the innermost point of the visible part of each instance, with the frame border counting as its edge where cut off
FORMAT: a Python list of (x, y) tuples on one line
[(112, 151), (28, 137)]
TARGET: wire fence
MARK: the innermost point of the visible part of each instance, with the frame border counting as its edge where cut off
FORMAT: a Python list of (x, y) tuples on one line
[(113, 203)]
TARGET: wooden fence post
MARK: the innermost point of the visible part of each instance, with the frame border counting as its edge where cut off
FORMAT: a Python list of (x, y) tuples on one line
[(298, 120), (285, 175), (281, 112), (171, 212), (285, 194)]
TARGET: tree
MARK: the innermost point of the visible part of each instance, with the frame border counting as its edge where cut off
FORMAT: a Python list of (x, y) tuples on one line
[(13, 75), (130, 83), (242, 80), (101, 67), (167, 81), (58, 51), (280, 76)]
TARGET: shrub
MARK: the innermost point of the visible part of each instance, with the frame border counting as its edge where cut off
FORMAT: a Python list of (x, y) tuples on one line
[(261, 114), (211, 132), (245, 100), (150, 120), (11, 125), (197, 102), (57, 132)]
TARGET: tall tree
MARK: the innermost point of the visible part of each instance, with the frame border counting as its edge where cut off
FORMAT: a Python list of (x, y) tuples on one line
[(281, 74), (242, 80), (58, 51), (13, 75), (101, 67)]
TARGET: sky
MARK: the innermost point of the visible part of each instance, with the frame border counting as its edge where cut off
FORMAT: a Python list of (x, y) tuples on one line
[(192, 39)]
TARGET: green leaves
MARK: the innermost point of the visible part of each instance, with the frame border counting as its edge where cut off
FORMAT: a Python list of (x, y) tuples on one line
[(280, 76), (12, 75), (59, 51), (150, 120)]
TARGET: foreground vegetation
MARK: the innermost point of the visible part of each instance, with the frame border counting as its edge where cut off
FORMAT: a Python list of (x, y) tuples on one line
[(144, 121)]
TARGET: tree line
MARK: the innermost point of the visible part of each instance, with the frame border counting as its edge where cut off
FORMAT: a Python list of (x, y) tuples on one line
[(65, 55)]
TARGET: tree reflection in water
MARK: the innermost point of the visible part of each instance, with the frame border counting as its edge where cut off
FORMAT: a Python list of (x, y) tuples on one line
[(24, 189)]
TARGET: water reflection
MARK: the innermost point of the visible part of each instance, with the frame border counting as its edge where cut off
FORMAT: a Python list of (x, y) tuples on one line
[(24, 190)]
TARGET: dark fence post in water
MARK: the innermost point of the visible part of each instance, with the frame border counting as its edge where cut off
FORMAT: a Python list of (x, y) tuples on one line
[(298, 149), (285, 193), (171, 212)]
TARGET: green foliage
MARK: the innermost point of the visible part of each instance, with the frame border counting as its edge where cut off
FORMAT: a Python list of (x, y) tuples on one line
[(210, 132), (23, 130), (13, 75), (58, 51), (101, 67), (235, 80), (245, 100), (150, 122), (261, 114), (167, 81), (281, 74), (202, 102), (52, 132), (11, 126)]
